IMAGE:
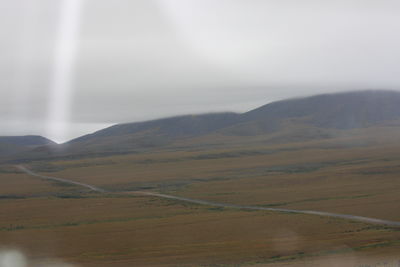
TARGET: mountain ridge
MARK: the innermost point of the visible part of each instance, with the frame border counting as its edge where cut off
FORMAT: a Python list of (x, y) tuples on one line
[(336, 111), (11, 145), (292, 120)]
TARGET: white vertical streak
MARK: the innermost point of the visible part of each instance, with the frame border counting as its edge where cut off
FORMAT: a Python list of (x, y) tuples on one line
[(62, 80)]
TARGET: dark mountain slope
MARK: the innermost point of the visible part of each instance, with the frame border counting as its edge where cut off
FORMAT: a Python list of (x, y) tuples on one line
[(27, 140), (339, 111), (305, 118), (175, 127), (150, 134), (13, 145), (294, 120)]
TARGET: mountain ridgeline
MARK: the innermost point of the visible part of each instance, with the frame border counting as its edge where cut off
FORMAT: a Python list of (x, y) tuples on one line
[(12, 145), (319, 115), (294, 120), (339, 111)]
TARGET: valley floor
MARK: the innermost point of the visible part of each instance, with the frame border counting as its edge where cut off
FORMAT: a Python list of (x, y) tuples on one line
[(49, 219)]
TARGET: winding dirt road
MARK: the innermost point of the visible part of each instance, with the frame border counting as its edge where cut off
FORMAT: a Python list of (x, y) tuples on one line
[(62, 180), (222, 205)]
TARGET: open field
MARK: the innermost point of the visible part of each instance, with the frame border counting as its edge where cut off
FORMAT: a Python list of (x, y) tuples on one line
[(114, 229), (362, 181), (19, 185), (138, 231)]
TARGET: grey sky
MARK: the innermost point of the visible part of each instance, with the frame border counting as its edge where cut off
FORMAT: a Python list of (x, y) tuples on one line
[(143, 59)]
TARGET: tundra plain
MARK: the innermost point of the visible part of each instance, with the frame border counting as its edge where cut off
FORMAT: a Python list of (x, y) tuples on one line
[(47, 219)]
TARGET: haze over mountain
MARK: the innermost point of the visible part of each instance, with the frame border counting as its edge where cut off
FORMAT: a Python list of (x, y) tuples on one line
[(10, 145), (27, 140), (293, 120), (138, 60), (339, 111), (323, 113)]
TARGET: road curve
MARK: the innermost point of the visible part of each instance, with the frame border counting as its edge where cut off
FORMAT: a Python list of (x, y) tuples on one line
[(62, 180), (222, 205)]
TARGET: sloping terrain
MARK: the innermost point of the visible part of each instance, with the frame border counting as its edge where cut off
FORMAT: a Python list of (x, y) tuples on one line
[(294, 120), (27, 140), (151, 134), (14, 145), (330, 116), (338, 111)]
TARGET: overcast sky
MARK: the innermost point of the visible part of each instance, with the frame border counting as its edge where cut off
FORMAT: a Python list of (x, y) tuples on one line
[(133, 60)]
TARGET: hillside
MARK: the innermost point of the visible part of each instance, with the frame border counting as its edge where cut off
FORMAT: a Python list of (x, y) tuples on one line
[(357, 114), (175, 127), (151, 134), (339, 111), (11, 145), (27, 140), (320, 116)]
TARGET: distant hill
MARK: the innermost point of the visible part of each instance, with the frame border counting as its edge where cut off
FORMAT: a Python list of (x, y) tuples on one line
[(27, 140), (309, 117), (293, 120), (340, 111), (150, 134), (175, 127), (12, 145)]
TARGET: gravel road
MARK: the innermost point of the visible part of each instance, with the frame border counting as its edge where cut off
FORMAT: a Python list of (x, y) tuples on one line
[(216, 204)]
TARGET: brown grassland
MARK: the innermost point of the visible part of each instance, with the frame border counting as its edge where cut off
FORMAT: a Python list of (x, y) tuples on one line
[(52, 220)]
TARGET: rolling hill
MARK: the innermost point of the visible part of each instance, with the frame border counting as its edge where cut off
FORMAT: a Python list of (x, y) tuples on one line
[(336, 111), (287, 121), (321, 115), (12, 145), (27, 140)]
